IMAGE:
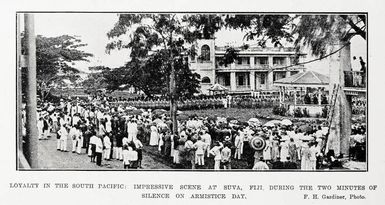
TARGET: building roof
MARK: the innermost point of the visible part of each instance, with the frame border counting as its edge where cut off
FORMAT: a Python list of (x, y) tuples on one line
[(304, 79), (218, 87)]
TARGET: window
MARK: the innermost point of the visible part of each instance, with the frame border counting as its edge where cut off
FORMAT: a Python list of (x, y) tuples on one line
[(239, 61), (219, 62), (243, 60), (262, 60), (294, 60), (205, 53), (241, 80), (206, 80), (279, 61), (279, 75), (263, 78)]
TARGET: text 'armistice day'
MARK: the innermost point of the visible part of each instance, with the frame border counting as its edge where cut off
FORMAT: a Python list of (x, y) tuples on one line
[(214, 191)]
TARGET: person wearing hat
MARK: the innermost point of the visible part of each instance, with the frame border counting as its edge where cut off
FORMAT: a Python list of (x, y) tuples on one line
[(260, 165), (305, 156), (200, 147), (92, 146), (63, 132), (284, 152), (99, 150), (154, 136), (226, 156), (206, 138), (40, 125), (268, 148), (73, 134), (293, 150), (107, 147), (216, 151), (189, 148), (139, 149), (313, 155), (132, 129)]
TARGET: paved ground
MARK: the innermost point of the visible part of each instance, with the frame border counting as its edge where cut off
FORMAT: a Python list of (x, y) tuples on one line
[(50, 158)]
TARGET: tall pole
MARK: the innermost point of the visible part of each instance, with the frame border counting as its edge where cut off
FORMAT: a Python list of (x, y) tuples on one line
[(31, 121), (19, 131)]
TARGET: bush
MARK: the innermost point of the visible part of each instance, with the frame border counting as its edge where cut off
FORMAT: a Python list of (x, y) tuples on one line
[(279, 110), (305, 112), (298, 112)]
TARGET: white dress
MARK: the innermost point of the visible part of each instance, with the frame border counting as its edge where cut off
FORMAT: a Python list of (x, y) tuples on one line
[(284, 151), (154, 137)]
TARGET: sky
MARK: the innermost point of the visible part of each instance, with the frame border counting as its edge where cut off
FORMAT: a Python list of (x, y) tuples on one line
[(92, 29)]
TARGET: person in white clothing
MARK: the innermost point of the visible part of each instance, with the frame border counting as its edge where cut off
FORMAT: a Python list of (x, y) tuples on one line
[(216, 151), (40, 125), (132, 130), (238, 142), (63, 137), (200, 147), (108, 125), (154, 136), (79, 141), (260, 165), (206, 138), (107, 147), (73, 134)]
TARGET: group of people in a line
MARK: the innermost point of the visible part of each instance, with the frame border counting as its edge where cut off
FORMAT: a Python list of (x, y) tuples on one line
[(203, 102)]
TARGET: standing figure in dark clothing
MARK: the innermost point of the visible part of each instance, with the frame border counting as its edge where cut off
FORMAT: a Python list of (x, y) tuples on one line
[(363, 70)]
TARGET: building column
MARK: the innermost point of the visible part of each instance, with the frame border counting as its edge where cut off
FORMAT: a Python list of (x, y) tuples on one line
[(233, 81), (252, 80), (288, 63), (252, 62), (319, 96), (257, 82), (270, 58), (280, 94), (295, 96), (288, 74), (270, 80)]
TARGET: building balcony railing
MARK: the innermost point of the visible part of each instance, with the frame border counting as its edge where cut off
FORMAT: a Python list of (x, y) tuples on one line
[(243, 87), (355, 79), (256, 66)]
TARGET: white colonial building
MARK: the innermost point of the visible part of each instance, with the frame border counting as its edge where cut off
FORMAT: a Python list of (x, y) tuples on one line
[(255, 70)]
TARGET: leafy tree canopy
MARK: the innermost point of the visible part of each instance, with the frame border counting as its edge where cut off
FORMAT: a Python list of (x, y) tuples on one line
[(157, 42), (55, 57)]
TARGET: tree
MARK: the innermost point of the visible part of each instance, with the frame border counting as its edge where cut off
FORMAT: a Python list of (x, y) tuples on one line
[(158, 44), (55, 57), (320, 33), (96, 79), (315, 31)]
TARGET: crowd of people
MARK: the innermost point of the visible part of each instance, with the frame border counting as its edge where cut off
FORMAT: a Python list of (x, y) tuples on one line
[(108, 131), (199, 102)]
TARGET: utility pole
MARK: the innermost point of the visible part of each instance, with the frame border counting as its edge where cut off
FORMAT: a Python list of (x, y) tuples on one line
[(19, 130), (31, 101)]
